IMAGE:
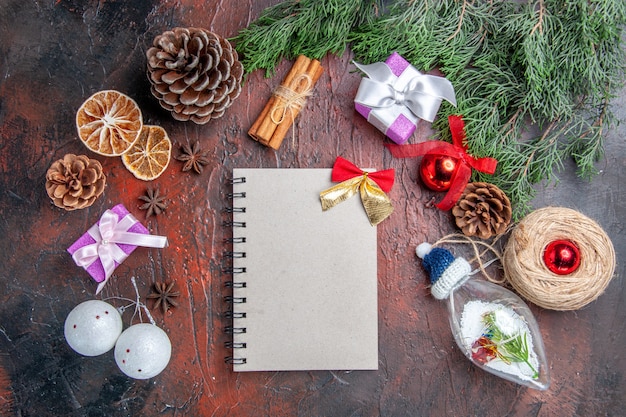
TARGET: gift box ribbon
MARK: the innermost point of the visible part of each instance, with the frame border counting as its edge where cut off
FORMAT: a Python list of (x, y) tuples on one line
[(371, 185), (107, 233), (458, 150), (422, 94)]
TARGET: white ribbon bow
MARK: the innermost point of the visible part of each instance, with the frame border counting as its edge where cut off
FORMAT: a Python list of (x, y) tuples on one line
[(422, 94)]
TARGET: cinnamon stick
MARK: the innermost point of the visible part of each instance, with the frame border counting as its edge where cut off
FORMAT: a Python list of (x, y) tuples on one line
[(266, 126), (277, 117)]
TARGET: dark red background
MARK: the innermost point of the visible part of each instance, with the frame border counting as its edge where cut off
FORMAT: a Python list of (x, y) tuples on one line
[(55, 54)]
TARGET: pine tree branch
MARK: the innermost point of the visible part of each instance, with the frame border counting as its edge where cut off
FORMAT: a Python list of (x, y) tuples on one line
[(546, 65)]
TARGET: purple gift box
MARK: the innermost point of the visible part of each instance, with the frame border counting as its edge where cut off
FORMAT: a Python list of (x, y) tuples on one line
[(123, 227), (396, 95)]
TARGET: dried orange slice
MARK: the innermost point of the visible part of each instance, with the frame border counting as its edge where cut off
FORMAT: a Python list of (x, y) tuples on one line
[(109, 122), (150, 155)]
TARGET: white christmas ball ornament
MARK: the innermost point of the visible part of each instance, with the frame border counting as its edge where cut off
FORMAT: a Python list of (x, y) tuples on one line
[(143, 351), (92, 327)]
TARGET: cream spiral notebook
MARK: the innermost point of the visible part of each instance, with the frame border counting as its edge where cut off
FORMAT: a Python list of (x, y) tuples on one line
[(304, 281)]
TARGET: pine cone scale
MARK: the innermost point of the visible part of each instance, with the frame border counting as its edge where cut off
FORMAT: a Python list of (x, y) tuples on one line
[(212, 81), (193, 60), (59, 191), (171, 99), (87, 192), (88, 175), (56, 178), (163, 60), (498, 206), (206, 63), (205, 98), (178, 87), (202, 85), (223, 68), (191, 78), (463, 206), (159, 89), (70, 201), (205, 111), (220, 94), (75, 189), (168, 77), (189, 97)]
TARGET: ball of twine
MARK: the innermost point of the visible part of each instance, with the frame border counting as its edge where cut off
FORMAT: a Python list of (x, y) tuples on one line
[(527, 273)]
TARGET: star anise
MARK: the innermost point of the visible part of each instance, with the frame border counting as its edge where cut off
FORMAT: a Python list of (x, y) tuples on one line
[(154, 202), (193, 156), (164, 295)]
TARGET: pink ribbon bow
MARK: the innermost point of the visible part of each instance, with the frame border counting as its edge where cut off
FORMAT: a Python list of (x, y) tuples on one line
[(107, 233)]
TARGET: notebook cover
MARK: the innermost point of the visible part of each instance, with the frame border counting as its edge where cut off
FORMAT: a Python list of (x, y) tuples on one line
[(311, 276)]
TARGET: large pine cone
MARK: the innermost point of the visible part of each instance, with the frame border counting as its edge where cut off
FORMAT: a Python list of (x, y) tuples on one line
[(483, 210), (75, 182), (194, 73)]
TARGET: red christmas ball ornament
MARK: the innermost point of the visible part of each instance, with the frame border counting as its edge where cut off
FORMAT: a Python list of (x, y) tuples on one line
[(561, 257), (437, 171)]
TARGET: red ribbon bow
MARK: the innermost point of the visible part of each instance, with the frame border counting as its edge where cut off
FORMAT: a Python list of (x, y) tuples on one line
[(344, 170), (458, 150), (372, 187)]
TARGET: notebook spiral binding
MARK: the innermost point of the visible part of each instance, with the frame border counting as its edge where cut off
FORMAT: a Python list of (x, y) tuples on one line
[(234, 301)]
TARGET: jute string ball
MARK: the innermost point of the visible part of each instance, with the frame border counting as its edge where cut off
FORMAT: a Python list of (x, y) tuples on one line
[(528, 274)]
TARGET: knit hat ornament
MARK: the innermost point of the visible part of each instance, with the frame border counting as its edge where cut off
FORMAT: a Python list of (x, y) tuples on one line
[(446, 272)]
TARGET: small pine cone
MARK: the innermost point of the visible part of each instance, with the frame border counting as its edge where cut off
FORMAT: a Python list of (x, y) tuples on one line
[(195, 74), (75, 182), (483, 210)]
